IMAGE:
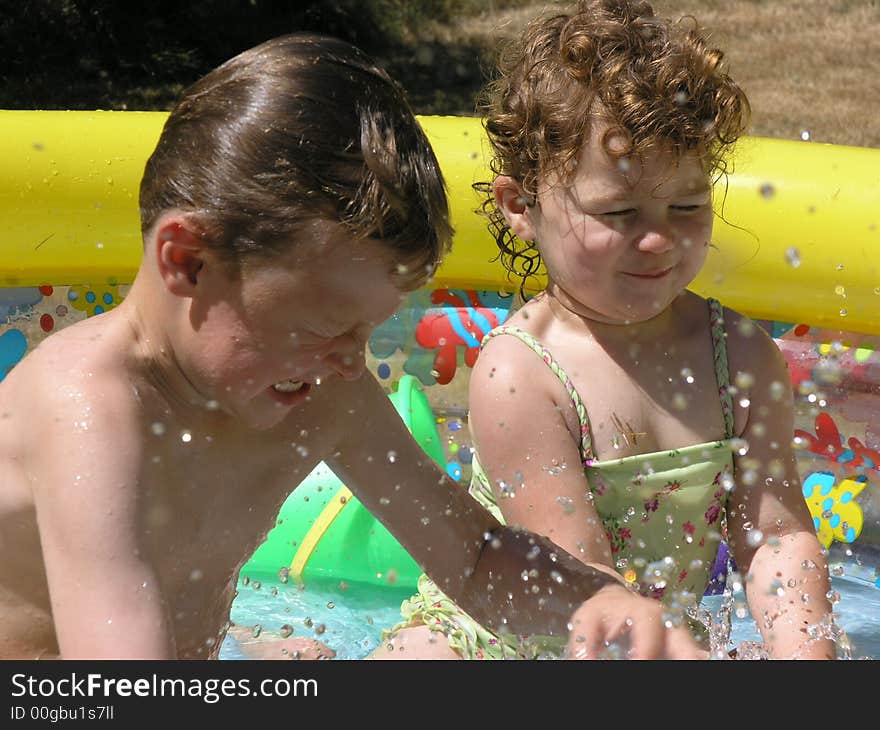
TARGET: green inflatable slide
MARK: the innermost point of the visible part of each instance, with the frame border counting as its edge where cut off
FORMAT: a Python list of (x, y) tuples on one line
[(324, 534)]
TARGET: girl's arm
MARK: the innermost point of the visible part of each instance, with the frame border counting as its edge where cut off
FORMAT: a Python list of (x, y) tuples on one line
[(530, 453), (784, 567)]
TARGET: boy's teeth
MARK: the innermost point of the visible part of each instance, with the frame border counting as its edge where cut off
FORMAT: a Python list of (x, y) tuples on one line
[(288, 386)]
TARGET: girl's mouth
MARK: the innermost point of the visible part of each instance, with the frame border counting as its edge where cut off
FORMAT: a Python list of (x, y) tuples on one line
[(656, 274)]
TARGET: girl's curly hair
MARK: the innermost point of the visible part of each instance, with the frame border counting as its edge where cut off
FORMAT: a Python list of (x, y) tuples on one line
[(658, 80)]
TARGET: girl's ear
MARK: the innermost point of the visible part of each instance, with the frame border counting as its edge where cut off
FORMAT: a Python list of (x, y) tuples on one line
[(513, 202), (180, 254)]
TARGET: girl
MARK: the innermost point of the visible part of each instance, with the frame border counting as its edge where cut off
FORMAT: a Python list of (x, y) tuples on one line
[(603, 412)]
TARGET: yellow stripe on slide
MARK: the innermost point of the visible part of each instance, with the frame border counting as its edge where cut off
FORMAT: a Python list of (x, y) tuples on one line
[(316, 531)]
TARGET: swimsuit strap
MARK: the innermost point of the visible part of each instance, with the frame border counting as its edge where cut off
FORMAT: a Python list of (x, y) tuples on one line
[(719, 355), (544, 353)]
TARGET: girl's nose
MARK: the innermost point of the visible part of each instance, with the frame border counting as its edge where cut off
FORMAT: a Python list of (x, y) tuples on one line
[(658, 239)]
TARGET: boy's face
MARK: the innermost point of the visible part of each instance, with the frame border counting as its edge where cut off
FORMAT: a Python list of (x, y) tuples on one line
[(286, 326)]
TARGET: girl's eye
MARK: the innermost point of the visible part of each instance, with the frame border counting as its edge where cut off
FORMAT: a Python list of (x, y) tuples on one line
[(618, 213), (686, 208)]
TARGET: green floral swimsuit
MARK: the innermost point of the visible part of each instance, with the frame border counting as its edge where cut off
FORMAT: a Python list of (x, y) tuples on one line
[(662, 514)]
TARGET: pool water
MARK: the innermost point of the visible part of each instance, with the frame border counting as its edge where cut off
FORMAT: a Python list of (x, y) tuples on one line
[(350, 619), (347, 618), (857, 613)]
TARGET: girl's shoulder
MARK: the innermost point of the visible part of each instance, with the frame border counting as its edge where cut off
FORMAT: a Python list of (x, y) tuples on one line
[(750, 346)]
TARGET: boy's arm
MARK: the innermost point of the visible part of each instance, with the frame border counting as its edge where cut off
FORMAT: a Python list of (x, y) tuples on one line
[(784, 568), (106, 597), (475, 560)]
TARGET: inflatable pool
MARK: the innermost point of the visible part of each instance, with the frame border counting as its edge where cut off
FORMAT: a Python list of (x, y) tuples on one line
[(795, 249)]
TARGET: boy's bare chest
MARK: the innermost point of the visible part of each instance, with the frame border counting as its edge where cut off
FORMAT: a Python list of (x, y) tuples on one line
[(206, 508)]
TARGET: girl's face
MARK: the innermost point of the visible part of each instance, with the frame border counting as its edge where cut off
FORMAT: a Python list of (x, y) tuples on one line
[(626, 236)]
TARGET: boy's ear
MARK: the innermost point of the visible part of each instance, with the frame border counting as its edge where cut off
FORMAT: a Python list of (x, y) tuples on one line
[(513, 202), (180, 255)]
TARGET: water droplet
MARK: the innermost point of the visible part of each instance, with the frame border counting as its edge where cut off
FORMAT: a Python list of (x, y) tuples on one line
[(285, 630), (744, 380), (256, 630), (746, 327), (567, 504), (158, 428), (843, 313), (196, 574), (793, 256), (330, 604), (840, 290), (805, 135), (185, 436), (392, 456), (777, 390), (754, 538), (680, 401), (767, 191), (688, 375)]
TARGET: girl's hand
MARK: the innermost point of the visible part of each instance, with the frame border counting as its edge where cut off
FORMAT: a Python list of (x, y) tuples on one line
[(617, 623)]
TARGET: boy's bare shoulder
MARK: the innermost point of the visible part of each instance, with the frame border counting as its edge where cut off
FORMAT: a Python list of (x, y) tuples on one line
[(75, 378)]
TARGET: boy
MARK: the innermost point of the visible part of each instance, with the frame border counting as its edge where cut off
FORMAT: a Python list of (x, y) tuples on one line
[(290, 203)]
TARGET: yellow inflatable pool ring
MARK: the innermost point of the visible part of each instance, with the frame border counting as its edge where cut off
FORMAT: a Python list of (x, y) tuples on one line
[(796, 238)]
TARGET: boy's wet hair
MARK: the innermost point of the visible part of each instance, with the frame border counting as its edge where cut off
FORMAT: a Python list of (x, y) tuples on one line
[(612, 60), (299, 128)]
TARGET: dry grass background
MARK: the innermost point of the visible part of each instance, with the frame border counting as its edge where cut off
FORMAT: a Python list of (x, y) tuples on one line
[(807, 65)]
